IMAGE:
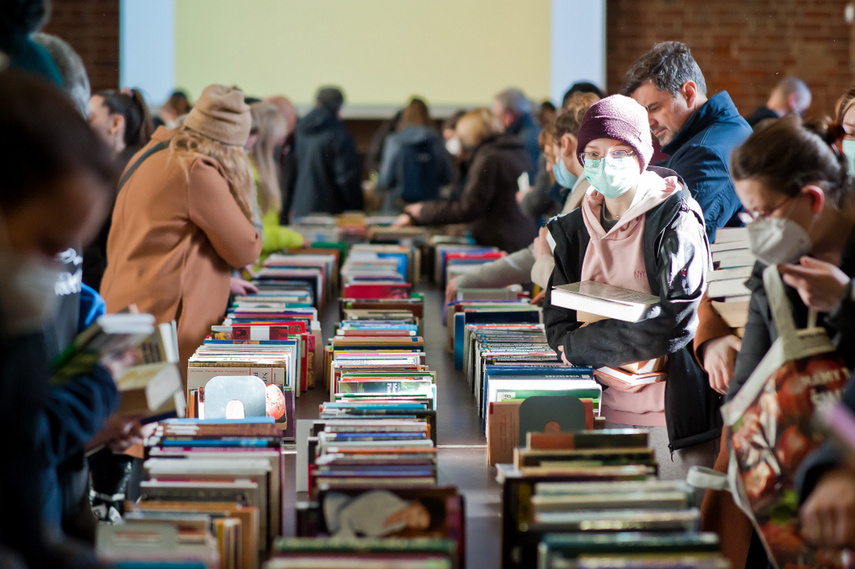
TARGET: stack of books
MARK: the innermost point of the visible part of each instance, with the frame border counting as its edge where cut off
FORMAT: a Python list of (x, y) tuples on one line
[(587, 496), (227, 475), (463, 257), (185, 542), (285, 272), (733, 263), (593, 301), (366, 553), (463, 313)]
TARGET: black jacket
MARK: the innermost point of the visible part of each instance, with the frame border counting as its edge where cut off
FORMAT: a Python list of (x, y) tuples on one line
[(329, 171), (488, 201), (676, 255), (761, 332)]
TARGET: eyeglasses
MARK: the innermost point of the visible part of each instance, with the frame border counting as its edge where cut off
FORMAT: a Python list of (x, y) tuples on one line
[(749, 216), (612, 154)]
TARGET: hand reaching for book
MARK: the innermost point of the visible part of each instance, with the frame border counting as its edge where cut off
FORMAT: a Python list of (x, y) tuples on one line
[(240, 287), (821, 285), (828, 515), (719, 359), (118, 363), (120, 433)]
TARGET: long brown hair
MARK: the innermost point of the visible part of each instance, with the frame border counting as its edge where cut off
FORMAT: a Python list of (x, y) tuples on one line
[(271, 127), (786, 156), (415, 113), (232, 159)]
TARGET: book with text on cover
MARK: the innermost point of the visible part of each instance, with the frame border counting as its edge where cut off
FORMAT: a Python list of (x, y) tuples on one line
[(605, 300)]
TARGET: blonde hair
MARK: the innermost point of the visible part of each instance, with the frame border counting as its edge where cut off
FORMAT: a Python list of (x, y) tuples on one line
[(569, 120), (477, 125), (271, 127), (232, 159)]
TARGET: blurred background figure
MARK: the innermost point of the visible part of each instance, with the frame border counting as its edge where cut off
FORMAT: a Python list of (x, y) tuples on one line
[(75, 80), (176, 106), (487, 203), (329, 172), (789, 97), (415, 162), (513, 110), (286, 158), (122, 120), (270, 129)]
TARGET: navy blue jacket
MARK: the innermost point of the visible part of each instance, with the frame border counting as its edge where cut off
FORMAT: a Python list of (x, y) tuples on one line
[(700, 153), (525, 128), (329, 172)]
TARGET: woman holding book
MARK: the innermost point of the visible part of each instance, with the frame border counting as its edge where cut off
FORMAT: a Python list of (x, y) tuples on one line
[(638, 229), (183, 219)]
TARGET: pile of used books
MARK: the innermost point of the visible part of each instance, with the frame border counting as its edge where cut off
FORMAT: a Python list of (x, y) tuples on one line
[(369, 463), (726, 289), (591, 499)]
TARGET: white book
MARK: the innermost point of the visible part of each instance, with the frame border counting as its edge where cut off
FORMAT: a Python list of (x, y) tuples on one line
[(605, 300)]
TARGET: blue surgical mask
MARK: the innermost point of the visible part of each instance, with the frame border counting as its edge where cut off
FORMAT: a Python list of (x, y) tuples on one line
[(563, 175), (612, 177), (849, 152)]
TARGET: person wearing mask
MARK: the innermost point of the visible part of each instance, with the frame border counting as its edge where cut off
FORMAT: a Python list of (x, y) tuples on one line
[(415, 163), (844, 110), (455, 150), (270, 129), (122, 120), (513, 109), (328, 169), (789, 97), (55, 194), (488, 203), (638, 229), (535, 262), (183, 219), (697, 133), (796, 191)]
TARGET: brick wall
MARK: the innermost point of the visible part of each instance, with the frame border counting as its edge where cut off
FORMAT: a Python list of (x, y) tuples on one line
[(742, 46), (92, 29)]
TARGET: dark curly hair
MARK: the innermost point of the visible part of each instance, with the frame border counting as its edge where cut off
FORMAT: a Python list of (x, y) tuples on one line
[(668, 66)]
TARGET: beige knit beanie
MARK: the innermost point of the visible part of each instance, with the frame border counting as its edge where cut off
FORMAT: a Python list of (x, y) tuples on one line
[(220, 113)]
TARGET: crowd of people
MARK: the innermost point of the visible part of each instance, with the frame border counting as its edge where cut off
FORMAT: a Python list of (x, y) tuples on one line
[(104, 205)]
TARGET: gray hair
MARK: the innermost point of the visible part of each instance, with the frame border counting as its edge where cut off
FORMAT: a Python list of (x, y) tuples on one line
[(515, 101), (75, 81), (795, 86), (668, 66)]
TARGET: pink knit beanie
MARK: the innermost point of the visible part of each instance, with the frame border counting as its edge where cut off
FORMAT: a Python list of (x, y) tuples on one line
[(619, 118)]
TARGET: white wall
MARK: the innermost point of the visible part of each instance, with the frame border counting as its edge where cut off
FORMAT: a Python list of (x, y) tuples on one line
[(578, 45), (147, 48)]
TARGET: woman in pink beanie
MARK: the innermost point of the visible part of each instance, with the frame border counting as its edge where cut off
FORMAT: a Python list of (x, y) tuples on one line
[(638, 228), (183, 219)]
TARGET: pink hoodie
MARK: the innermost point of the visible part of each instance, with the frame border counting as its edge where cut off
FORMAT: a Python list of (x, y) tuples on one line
[(617, 258)]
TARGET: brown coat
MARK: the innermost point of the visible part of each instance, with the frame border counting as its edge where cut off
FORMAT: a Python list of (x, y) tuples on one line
[(176, 232)]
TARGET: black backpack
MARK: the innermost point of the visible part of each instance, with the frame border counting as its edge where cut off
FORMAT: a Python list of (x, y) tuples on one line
[(419, 172)]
